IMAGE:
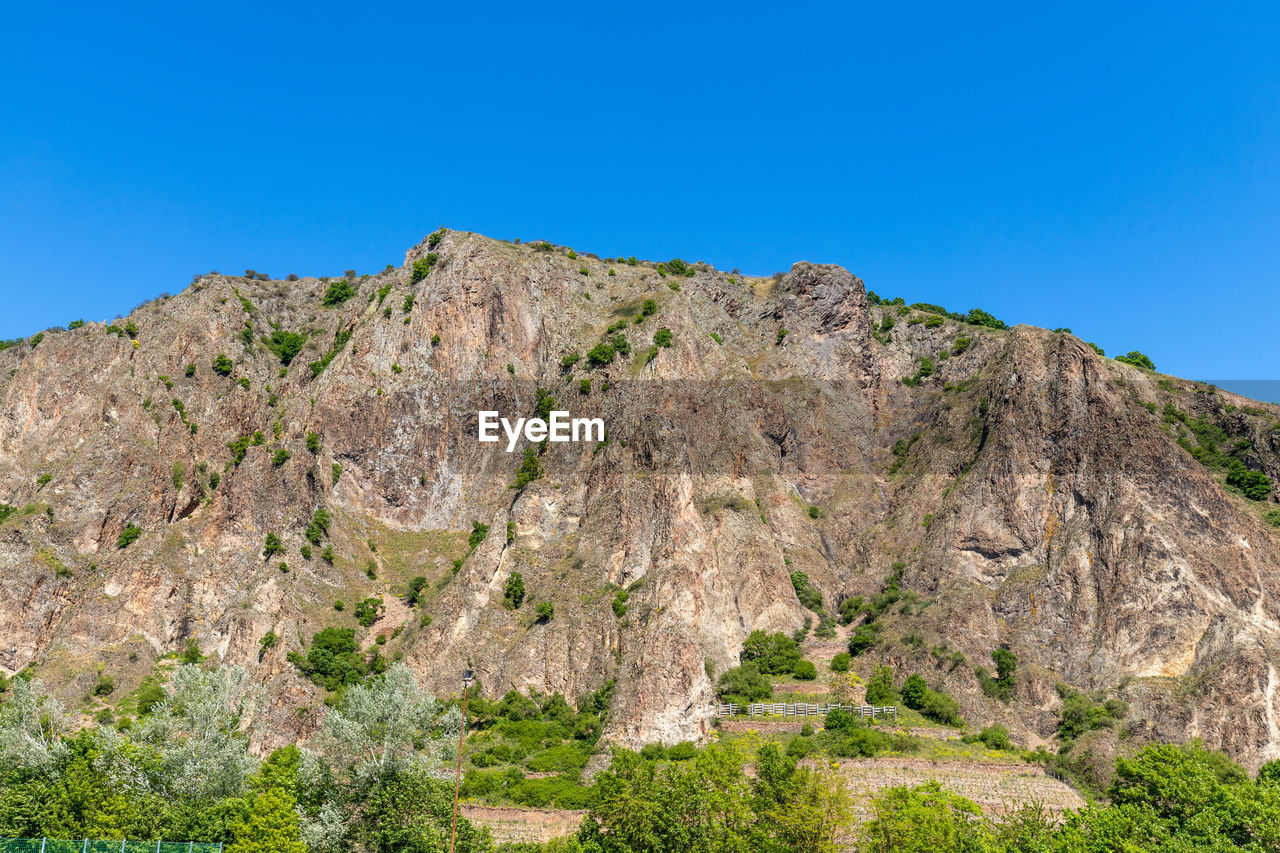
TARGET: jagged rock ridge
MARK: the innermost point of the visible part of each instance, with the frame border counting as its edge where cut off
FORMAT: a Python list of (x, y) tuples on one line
[(1038, 493)]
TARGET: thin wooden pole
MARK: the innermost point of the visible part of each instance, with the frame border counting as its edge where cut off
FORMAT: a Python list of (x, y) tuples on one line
[(457, 780)]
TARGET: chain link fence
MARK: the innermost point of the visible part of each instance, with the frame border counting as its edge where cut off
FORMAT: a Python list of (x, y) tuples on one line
[(99, 845)]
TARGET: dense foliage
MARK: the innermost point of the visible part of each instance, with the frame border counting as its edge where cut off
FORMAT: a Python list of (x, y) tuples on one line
[(375, 780), (1169, 799)]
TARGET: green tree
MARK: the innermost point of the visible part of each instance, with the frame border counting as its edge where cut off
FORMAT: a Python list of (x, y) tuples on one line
[(333, 660), (271, 826), (601, 354), (880, 689), (411, 812), (414, 593), (319, 526), (744, 684), (913, 692), (337, 293), (189, 745), (941, 708), (513, 592), (530, 469), (478, 533), (129, 535), (775, 654), (1006, 667), (387, 727), (810, 596), (797, 810), (924, 819), (285, 345), (698, 805), (1137, 359), (805, 671), (1177, 784), (863, 638)]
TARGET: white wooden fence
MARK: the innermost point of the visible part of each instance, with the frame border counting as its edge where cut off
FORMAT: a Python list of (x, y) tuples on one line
[(819, 709)]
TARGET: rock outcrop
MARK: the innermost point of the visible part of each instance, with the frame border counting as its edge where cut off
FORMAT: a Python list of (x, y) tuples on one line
[(1040, 496)]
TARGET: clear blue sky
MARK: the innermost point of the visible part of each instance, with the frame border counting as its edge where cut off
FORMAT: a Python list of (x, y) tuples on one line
[(1110, 167)]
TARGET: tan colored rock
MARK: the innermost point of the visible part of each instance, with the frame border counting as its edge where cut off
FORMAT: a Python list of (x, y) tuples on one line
[(1044, 504)]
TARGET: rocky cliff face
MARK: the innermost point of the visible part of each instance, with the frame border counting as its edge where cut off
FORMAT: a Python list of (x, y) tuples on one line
[(1040, 496)]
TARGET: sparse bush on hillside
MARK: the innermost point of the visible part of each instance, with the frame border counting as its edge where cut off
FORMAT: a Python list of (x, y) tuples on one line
[(1080, 714), (339, 342), (978, 317), (1137, 359), (1001, 687), (337, 293), (222, 365), (423, 266), (478, 533), (368, 610), (675, 266), (994, 736), (129, 535), (319, 526), (913, 691), (810, 596), (941, 708), (285, 345), (864, 637), (601, 354), (513, 592), (414, 593)]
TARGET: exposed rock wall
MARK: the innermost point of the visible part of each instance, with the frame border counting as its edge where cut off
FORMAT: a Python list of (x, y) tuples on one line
[(1044, 503)]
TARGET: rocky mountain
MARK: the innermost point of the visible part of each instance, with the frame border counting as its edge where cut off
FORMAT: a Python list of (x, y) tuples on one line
[(1108, 524)]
